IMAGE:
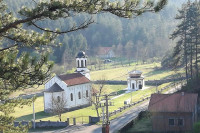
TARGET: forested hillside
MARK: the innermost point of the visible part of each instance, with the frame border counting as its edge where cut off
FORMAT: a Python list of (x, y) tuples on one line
[(146, 35)]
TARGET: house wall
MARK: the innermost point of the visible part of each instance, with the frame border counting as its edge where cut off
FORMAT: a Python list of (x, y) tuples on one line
[(160, 122), (67, 92), (110, 54)]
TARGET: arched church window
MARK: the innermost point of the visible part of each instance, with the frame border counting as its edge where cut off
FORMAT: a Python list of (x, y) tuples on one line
[(85, 63), (58, 98), (86, 93), (71, 96), (82, 63), (79, 95)]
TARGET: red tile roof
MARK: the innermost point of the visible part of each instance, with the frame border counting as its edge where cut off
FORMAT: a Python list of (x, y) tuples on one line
[(74, 79), (104, 50), (178, 102)]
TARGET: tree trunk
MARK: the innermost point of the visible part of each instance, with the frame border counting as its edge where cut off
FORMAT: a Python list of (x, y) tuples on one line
[(60, 117), (185, 55), (191, 72), (97, 112), (196, 63)]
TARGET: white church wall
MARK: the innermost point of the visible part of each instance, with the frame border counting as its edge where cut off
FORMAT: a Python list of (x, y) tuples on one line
[(48, 97), (78, 63), (55, 79), (136, 83)]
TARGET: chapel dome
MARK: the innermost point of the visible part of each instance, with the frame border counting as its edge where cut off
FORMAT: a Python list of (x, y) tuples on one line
[(81, 54), (135, 74)]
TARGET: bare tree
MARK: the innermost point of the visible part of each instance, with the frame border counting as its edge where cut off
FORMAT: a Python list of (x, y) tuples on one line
[(58, 105), (96, 95)]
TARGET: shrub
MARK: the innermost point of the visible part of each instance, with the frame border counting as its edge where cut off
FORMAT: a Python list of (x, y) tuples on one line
[(197, 127)]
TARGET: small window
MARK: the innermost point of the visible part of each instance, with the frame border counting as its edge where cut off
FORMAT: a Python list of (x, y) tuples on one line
[(171, 122), (71, 95), (78, 63), (85, 63), (180, 122), (79, 95), (86, 93), (58, 99)]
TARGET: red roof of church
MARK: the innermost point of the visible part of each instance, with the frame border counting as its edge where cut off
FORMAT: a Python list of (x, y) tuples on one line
[(178, 102), (104, 50), (74, 79)]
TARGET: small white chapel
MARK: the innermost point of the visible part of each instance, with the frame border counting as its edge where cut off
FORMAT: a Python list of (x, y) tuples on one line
[(74, 89), (135, 81)]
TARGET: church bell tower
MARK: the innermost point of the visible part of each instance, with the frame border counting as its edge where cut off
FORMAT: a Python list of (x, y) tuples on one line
[(81, 64)]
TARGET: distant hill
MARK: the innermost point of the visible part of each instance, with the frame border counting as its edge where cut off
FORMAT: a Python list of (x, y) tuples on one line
[(149, 32)]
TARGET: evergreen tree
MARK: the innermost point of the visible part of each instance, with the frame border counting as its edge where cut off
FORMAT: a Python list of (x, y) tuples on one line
[(181, 49), (187, 47)]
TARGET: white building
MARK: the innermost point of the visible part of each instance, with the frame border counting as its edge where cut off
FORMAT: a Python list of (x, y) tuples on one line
[(135, 81), (75, 88), (106, 52)]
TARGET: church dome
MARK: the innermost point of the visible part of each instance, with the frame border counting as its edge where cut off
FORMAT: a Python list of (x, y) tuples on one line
[(81, 54)]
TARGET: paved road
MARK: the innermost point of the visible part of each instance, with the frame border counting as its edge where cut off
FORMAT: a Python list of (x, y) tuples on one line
[(115, 125)]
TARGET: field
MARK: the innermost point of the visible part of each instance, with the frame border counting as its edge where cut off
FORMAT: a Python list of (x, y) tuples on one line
[(26, 112), (150, 71)]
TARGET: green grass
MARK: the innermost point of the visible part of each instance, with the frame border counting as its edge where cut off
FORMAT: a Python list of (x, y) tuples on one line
[(27, 91), (26, 112), (107, 89), (121, 73)]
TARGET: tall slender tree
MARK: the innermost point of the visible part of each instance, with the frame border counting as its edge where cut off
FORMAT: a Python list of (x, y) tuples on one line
[(181, 49), (187, 47)]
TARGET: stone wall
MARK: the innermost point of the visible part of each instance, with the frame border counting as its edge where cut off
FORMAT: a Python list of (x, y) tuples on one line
[(148, 82), (42, 124), (93, 120)]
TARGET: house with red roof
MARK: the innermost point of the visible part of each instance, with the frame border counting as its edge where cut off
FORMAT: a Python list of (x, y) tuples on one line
[(173, 112), (106, 52), (74, 89)]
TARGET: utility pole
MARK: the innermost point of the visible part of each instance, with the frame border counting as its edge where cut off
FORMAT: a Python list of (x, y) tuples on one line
[(103, 115), (105, 126)]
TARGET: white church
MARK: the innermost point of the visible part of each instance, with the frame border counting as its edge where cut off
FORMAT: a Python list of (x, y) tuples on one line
[(74, 89), (135, 81)]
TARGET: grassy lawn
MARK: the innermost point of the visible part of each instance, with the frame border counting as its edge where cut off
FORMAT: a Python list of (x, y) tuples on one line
[(27, 91), (26, 112), (141, 126), (121, 73)]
